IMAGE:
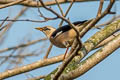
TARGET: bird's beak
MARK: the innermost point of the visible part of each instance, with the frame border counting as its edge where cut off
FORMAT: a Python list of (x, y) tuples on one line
[(38, 28)]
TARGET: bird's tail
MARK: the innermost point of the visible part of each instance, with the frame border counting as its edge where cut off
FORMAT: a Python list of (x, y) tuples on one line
[(79, 22)]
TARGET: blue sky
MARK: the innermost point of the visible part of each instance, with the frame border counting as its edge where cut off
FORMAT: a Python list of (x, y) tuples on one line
[(108, 69)]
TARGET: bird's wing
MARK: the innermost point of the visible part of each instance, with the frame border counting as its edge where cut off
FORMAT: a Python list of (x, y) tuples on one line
[(79, 22), (65, 28), (60, 30)]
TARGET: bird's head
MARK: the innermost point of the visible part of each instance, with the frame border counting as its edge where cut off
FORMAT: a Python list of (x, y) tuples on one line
[(47, 30)]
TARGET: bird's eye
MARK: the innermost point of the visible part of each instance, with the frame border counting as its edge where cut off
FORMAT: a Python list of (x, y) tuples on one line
[(45, 28)]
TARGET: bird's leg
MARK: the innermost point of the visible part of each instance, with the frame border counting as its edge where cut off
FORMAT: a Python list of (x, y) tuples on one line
[(65, 53), (67, 44)]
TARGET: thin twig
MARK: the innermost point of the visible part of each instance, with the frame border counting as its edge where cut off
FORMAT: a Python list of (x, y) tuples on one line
[(41, 15), (29, 20), (100, 7), (20, 55), (48, 51), (3, 21), (95, 20), (66, 12), (22, 45), (7, 57), (59, 7), (108, 22), (4, 32)]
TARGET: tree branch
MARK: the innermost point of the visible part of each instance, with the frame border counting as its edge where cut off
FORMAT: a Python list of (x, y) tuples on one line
[(32, 3), (90, 43), (11, 4), (93, 60), (22, 45)]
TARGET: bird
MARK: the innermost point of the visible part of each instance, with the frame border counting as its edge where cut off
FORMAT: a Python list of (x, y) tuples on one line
[(61, 37)]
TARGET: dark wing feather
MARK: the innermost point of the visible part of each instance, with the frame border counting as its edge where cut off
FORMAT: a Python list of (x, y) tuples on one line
[(79, 22), (65, 28)]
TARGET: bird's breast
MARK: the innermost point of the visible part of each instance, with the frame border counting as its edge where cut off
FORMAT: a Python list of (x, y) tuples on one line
[(60, 40), (57, 43)]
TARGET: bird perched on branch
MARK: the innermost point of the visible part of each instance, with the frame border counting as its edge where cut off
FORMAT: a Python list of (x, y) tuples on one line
[(61, 37)]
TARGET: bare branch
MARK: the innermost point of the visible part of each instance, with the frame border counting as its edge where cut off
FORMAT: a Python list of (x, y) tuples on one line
[(48, 51), (91, 46), (30, 67), (108, 22), (11, 4), (3, 22), (32, 3), (94, 21), (100, 7), (63, 18), (20, 55), (7, 57), (93, 60), (57, 74), (65, 63), (59, 7), (66, 12), (23, 45), (104, 42), (9, 25)]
